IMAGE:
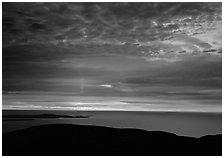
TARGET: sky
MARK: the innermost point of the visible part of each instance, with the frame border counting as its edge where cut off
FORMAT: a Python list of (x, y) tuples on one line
[(112, 56)]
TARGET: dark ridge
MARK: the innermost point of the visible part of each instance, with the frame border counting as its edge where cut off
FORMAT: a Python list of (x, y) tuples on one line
[(42, 116), (20, 119), (80, 140)]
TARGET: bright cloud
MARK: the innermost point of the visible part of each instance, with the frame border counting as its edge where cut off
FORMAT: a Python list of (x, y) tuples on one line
[(106, 85)]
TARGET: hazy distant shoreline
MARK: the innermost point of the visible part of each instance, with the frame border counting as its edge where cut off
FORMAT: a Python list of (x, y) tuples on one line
[(54, 110)]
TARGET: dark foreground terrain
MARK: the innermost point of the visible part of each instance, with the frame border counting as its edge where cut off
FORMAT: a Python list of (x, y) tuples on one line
[(80, 140)]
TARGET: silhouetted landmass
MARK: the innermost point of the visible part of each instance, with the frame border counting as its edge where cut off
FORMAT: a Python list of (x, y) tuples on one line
[(20, 119), (82, 140), (45, 116)]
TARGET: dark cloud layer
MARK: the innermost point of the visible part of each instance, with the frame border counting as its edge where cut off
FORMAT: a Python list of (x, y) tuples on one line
[(138, 24)]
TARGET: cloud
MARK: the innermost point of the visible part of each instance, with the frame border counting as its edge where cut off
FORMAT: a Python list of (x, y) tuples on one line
[(106, 85), (78, 23), (167, 50), (154, 31)]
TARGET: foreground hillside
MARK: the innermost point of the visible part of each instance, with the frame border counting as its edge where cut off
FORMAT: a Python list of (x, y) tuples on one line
[(80, 140)]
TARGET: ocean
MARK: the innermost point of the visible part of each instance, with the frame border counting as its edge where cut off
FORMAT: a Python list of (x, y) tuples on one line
[(193, 124)]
